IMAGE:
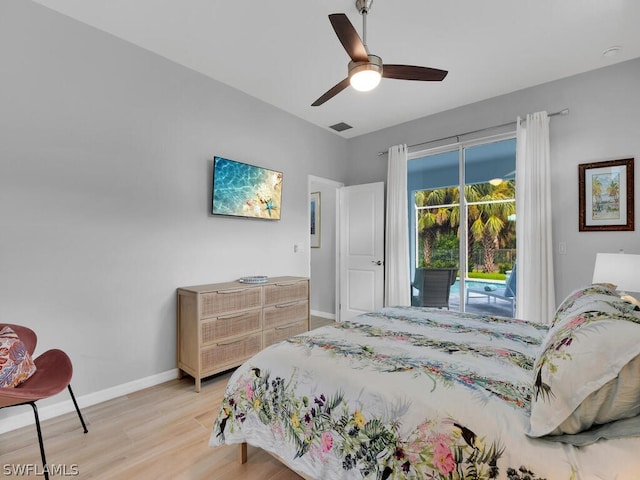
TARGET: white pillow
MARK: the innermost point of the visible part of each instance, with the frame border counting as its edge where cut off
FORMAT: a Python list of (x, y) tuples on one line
[(586, 373), (600, 297)]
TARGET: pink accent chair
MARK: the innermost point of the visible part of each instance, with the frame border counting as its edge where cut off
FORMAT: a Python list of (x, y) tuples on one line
[(53, 374)]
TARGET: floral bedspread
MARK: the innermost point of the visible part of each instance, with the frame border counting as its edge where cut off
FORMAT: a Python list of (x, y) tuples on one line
[(407, 392)]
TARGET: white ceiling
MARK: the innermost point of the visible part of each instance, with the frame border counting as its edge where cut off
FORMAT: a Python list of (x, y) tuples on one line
[(286, 53)]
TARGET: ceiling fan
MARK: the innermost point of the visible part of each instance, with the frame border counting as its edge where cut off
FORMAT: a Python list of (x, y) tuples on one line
[(365, 69)]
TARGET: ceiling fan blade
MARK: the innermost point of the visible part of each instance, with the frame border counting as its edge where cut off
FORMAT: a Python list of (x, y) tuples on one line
[(332, 92), (411, 72), (349, 37)]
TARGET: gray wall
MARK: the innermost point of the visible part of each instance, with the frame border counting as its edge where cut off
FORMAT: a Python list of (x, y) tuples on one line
[(105, 172), (603, 124)]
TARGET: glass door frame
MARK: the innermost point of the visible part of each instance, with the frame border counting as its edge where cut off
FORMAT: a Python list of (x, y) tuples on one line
[(460, 146)]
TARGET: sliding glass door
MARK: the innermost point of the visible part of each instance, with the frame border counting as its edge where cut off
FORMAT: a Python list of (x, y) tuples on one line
[(472, 233)]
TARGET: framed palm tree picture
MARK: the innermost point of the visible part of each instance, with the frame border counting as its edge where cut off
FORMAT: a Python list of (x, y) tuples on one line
[(606, 195)]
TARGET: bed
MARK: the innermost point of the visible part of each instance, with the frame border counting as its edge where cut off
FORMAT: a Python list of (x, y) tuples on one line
[(410, 392)]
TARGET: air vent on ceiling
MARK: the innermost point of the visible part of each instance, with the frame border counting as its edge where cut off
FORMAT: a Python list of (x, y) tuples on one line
[(341, 127)]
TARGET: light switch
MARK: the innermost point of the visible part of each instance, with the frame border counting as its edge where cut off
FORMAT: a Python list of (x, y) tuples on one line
[(562, 248)]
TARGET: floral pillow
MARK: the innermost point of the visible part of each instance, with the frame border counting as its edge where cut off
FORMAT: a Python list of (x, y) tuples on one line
[(597, 297), (16, 364), (586, 372)]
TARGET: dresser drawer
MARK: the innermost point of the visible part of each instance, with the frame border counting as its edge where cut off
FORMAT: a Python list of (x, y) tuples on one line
[(277, 334), (284, 314), (286, 292), (224, 301), (232, 325), (220, 356)]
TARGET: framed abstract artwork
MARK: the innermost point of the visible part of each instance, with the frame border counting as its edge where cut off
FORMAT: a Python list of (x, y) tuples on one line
[(606, 196), (314, 206)]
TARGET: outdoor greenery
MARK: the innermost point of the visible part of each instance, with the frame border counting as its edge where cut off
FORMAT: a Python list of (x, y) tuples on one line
[(486, 276), (491, 234)]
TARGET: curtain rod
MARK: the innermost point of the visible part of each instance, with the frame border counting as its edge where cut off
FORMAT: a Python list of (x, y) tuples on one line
[(564, 111)]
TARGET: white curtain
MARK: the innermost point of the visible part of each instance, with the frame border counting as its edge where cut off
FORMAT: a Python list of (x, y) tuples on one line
[(535, 287), (397, 288)]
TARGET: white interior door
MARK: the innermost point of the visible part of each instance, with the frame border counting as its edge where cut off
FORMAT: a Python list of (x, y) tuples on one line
[(361, 249)]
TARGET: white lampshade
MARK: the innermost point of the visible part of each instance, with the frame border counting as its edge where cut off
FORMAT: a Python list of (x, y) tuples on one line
[(621, 269)]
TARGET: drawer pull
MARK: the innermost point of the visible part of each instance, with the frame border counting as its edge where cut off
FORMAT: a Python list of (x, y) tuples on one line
[(224, 292), (288, 325), (285, 284), (228, 317), (224, 344), (286, 305)]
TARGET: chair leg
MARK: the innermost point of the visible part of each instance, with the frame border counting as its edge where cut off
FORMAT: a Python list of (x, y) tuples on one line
[(73, 397), (40, 441)]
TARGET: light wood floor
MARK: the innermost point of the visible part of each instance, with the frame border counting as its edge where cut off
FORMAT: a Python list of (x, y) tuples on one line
[(158, 433), (161, 432)]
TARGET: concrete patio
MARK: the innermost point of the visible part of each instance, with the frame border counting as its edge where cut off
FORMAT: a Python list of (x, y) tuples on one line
[(480, 305)]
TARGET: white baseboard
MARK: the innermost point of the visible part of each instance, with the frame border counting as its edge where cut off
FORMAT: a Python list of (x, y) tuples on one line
[(328, 316), (50, 411)]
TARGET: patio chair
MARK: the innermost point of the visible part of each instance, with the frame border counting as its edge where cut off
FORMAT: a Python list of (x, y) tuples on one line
[(506, 293), (433, 285)]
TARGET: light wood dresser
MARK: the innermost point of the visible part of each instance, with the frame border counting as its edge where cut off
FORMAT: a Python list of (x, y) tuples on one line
[(223, 324)]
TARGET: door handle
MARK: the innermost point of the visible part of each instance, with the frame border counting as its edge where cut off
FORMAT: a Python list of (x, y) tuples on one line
[(378, 262)]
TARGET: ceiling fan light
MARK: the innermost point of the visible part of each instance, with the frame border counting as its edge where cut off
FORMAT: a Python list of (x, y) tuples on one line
[(365, 76), (365, 80)]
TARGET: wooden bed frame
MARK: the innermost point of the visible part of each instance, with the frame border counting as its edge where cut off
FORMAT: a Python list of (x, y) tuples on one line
[(243, 459)]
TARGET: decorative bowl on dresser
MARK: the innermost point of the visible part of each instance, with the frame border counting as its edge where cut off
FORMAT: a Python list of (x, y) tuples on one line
[(223, 324)]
